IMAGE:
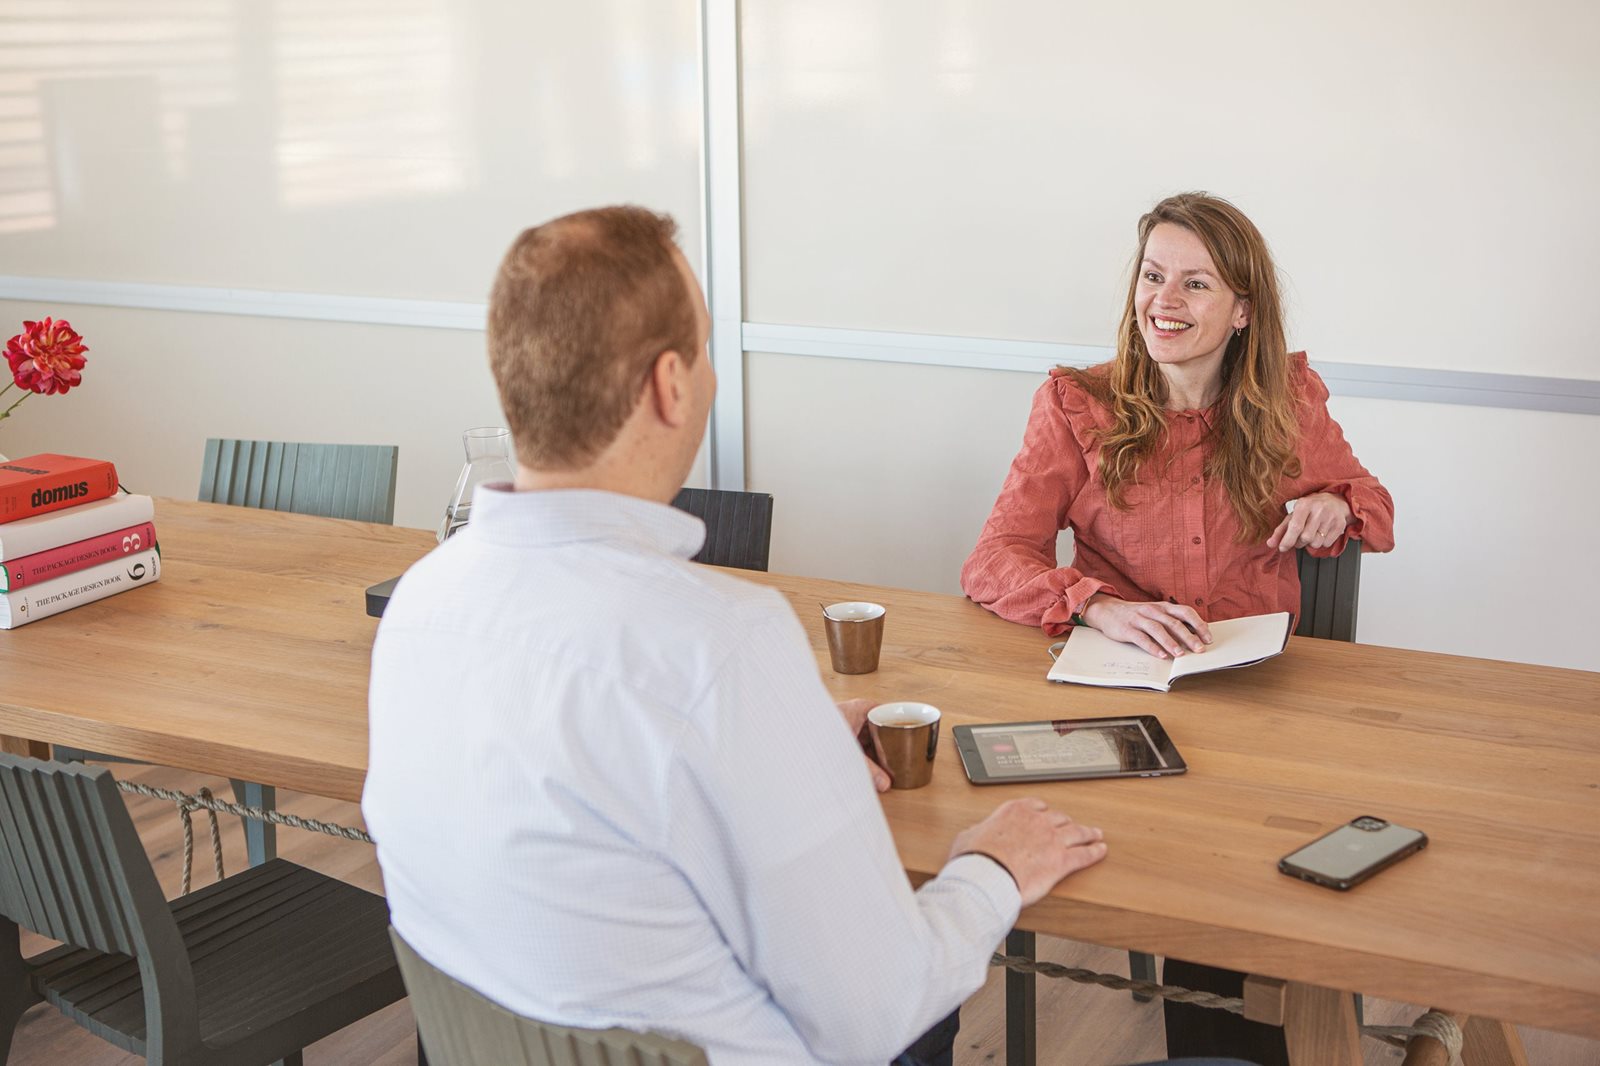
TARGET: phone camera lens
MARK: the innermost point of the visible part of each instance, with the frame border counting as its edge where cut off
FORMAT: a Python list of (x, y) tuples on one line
[(1369, 823)]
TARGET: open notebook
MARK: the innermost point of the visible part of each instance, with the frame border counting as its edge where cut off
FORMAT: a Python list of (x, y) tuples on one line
[(1089, 657)]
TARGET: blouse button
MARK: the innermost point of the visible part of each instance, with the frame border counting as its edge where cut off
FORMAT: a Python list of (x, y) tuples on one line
[(1199, 602), (1194, 480), (1195, 540)]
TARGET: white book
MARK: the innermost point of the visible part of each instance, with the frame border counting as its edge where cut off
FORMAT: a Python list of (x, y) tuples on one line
[(33, 602), (42, 532), (1089, 657)]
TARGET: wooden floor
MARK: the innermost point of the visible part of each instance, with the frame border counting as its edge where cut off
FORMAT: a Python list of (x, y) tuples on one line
[(1078, 1025)]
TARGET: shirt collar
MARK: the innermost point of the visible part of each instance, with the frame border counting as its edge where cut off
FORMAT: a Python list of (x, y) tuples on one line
[(502, 515)]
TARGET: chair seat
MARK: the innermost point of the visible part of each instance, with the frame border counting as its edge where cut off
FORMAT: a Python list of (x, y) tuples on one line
[(272, 947)]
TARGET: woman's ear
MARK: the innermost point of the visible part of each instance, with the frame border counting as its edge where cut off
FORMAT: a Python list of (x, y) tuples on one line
[(1241, 314)]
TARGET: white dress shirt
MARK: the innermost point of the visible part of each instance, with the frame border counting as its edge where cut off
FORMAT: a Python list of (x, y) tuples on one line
[(609, 789)]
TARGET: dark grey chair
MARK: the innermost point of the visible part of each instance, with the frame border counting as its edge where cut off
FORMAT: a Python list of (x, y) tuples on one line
[(334, 480), (1329, 591), (244, 972), (353, 481), (460, 1027), (738, 526)]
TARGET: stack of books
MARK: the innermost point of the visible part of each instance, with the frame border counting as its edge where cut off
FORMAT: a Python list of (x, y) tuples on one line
[(68, 537)]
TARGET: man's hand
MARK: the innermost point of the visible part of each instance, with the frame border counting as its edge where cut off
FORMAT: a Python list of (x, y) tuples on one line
[(1165, 630), (855, 716), (1039, 847), (1316, 522)]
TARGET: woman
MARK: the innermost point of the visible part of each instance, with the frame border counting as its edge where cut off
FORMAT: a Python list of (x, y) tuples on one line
[(1173, 464), (1188, 468)]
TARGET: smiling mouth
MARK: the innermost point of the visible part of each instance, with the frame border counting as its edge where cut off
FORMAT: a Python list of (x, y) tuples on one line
[(1169, 325)]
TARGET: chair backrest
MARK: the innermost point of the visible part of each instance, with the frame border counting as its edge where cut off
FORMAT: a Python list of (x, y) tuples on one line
[(1329, 589), (738, 526), (460, 1027), (335, 480), (72, 868)]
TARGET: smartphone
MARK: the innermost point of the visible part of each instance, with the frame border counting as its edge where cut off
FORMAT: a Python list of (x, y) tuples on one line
[(1352, 853)]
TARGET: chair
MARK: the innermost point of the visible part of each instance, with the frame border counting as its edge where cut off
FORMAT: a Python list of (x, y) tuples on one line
[(244, 972), (353, 481), (1329, 589), (459, 1027), (335, 480), (738, 526)]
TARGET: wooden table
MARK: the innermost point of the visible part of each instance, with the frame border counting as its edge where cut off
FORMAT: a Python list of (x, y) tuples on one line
[(249, 660)]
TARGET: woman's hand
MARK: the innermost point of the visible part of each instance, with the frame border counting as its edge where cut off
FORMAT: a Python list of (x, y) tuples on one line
[(1165, 630), (1316, 522)]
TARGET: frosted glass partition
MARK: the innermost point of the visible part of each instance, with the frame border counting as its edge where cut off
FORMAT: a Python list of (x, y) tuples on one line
[(333, 146), (976, 167)]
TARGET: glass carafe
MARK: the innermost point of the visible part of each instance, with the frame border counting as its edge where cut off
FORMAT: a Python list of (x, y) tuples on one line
[(488, 459)]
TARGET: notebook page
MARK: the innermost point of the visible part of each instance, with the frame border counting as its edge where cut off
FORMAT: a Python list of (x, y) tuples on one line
[(1237, 642), (1091, 657)]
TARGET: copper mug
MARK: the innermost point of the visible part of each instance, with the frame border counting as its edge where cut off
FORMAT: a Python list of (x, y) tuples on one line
[(903, 739), (855, 636)]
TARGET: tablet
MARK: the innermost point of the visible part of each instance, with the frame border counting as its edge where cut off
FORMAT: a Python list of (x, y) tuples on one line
[(1067, 749)]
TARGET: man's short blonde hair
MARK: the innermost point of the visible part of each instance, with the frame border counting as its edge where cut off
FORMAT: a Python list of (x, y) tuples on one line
[(581, 308)]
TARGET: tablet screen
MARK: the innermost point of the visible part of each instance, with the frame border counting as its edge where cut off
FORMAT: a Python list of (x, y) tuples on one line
[(1092, 747)]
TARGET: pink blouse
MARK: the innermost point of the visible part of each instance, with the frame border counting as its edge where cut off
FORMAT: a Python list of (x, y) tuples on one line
[(1177, 539)]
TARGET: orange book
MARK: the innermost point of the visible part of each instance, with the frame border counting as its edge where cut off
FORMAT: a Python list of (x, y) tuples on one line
[(42, 483)]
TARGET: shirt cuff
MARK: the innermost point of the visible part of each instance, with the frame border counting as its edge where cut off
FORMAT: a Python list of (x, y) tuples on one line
[(992, 881), (1057, 618), (1353, 528)]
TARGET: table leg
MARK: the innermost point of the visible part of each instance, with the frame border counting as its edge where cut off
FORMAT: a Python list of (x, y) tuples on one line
[(1021, 1004), (1319, 1025), (260, 838), (20, 746), (1491, 1043)]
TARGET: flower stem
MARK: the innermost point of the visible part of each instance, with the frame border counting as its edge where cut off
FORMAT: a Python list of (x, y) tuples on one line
[(7, 412)]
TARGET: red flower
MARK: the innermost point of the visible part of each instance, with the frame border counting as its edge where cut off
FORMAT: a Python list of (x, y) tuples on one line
[(46, 356)]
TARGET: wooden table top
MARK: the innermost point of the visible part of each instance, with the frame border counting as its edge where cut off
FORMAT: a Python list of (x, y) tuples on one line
[(249, 659)]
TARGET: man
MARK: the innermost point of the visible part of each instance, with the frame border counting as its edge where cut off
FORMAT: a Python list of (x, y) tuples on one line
[(607, 785)]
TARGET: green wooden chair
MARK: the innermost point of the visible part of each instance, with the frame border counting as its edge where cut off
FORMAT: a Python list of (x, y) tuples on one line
[(738, 526), (335, 480), (460, 1027), (353, 481), (241, 973)]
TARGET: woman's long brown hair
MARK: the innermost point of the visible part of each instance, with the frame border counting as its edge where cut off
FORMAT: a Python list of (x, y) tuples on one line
[(1256, 428)]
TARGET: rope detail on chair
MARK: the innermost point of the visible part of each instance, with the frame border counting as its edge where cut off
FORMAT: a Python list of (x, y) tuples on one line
[(184, 810), (1440, 1027), (207, 802)]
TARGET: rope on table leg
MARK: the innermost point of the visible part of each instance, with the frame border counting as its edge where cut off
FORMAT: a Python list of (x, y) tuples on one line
[(1435, 1024)]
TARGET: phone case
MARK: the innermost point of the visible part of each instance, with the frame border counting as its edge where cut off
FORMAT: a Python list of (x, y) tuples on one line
[(1380, 854)]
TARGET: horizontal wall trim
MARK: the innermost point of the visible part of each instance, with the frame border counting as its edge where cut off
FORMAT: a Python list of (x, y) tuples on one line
[(1524, 392), (377, 310)]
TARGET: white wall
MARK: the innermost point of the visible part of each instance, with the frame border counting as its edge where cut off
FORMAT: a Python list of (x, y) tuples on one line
[(977, 167), (323, 147)]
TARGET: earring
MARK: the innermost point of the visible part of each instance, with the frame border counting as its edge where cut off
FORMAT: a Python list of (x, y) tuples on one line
[(1239, 332)]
